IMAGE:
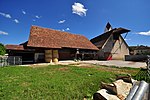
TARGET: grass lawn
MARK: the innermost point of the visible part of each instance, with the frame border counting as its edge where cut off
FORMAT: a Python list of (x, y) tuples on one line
[(55, 82)]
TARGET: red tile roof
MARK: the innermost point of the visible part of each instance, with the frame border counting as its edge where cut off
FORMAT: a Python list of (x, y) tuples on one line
[(14, 47), (48, 38)]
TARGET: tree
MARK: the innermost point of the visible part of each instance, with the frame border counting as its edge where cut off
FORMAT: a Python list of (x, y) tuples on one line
[(2, 49)]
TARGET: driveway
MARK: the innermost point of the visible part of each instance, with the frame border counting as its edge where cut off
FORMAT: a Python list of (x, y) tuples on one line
[(118, 63)]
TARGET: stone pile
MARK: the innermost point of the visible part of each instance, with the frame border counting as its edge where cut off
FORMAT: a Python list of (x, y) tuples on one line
[(118, 90)]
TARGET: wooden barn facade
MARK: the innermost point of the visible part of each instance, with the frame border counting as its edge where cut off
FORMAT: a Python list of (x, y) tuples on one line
[(47, 45), (111, 44)]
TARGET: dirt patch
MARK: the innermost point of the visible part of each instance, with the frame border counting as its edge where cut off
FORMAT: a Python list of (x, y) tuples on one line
[(25, 84), (132, 63), (36, 66), (107, 68), (85, 65), (63, 69), (117, 70)]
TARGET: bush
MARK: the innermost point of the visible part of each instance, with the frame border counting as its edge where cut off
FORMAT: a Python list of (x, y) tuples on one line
[(2, 49)]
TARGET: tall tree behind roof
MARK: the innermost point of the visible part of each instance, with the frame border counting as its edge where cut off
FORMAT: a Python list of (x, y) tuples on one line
[(108, 27), (2, 49)]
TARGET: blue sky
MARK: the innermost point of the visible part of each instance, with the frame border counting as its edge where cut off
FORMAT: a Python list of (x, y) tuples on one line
[(86, 17)]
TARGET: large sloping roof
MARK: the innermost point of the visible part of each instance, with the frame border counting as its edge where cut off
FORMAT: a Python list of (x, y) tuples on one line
[(48, 38), (101, 39)]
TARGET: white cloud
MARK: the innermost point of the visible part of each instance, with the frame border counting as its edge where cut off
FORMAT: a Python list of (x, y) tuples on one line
[(67, 29), (23, 12), (9, 16), (145, 33), (79, 9), (38, 17), (61, 21), (16, 21), (3, 33), (5, 15)]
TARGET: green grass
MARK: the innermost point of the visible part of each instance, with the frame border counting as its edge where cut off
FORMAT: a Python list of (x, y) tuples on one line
[(54, 82)]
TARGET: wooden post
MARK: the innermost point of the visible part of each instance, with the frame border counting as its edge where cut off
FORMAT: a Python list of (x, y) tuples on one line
[(82, 56), (14, 60), (148, 67), (77, 52)]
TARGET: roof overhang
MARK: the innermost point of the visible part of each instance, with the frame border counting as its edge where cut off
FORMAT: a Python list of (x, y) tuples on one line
[(120, 30), (14, 47)]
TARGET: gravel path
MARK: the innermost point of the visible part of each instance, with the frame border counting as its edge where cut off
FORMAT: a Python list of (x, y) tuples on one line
[(117, 63)]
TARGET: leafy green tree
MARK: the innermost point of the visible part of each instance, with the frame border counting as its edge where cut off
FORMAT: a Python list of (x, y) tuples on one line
[(2, 49)]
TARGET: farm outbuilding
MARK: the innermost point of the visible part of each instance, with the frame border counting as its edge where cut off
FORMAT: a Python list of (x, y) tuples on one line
[(111, 44), (47, 45)]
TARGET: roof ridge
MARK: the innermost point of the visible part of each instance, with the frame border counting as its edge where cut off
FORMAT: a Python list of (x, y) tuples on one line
[(56, 30)]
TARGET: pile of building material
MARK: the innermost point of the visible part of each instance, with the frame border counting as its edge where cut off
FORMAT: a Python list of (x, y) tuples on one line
[(122, 89)]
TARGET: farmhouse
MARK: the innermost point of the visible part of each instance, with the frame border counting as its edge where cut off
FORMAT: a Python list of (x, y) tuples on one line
[(139, 50), (47, 45), (111, 44)]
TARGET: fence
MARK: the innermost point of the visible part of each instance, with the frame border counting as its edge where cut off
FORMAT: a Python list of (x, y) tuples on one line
[(10, 60), (144, 74), (135, 57), (148, 67)]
